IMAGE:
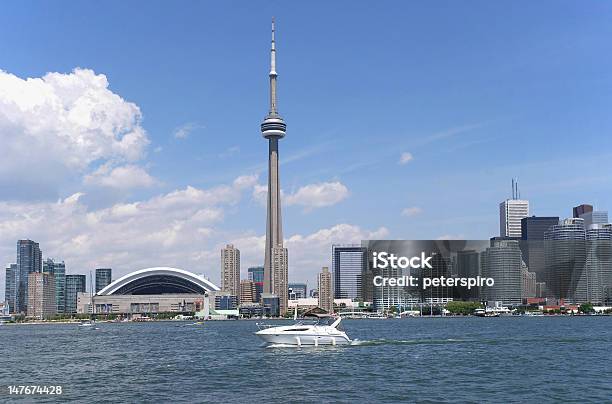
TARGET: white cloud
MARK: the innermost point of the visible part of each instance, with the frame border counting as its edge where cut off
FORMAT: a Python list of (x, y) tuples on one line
[(179, 228), (123, 177), (61, 123), (411, 211), (405, 158), (183, 131), (318, 195), (260, 194), (308, 253)]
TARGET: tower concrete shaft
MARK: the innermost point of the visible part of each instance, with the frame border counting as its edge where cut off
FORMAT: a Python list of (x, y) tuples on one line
[(276, 257)]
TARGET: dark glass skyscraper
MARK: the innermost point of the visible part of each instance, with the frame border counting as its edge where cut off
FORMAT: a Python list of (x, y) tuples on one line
[(534, 227), (349, 264), (532, 245), (103, 278), (29, 259), (9, 290), (74, 285)]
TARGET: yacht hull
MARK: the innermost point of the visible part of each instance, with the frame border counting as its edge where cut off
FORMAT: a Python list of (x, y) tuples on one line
[(302, 339)]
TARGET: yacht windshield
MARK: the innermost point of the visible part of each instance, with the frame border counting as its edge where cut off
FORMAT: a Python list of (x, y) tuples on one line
[(325, 321)]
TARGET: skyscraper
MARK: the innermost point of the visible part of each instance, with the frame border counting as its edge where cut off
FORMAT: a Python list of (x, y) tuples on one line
[(75, 284), (29, 259), (104, 276), (9, 290), (230, 270), (276, 257), (565, 257), (533, 229), (58, 269), (349, 263), (326, 298), (511, 211), (41, 295), (581, 209), (599, 263), (502, 262)]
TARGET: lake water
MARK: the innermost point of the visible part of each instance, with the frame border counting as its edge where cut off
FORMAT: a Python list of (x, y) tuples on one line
[(518, 359)]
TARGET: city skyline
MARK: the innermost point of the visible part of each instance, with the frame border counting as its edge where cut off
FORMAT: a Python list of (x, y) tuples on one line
[(159, 193)]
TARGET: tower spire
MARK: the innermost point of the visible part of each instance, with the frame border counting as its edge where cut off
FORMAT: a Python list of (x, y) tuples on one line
[(273, 110)]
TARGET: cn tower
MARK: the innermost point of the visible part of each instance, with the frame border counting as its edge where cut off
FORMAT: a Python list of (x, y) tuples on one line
[(276, 259)]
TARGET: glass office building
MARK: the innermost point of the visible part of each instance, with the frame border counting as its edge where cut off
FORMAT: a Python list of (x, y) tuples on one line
[(349, 264), (103, 278), (74, 285)]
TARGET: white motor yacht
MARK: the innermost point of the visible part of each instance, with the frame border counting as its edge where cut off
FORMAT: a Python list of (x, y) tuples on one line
[(325, 331)]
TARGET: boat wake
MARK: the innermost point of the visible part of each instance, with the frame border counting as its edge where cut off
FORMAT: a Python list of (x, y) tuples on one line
[(383, 341)]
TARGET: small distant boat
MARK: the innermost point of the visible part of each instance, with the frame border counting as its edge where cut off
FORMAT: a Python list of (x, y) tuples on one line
[(324, 332), (485, 313), (86, 324)]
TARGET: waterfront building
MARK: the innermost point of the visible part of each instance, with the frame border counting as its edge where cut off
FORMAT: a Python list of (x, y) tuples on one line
[(225, 301), (58, 270), (104, 276), (10, 286), (230, 270), (511, 211), (74, 285), (276, 256), (314, 293), (599, 263), (41, 295), (305, 303), (248, 292), (565, 258), (502, 262), (297, 291), (154, 290), (256, 274), (270, 304), (326, 297), (349, 264), (29, 259)]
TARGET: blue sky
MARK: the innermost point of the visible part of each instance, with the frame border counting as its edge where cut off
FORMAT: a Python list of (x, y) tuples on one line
[(477, 92)]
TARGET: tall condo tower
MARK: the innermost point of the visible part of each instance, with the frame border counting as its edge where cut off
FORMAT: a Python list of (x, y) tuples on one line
[(275, 265)]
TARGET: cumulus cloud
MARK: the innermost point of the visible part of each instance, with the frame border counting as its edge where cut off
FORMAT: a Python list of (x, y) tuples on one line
[(122, 177), (405, 158), (318, 195), (176, 229), (411, 211), (60, 124)]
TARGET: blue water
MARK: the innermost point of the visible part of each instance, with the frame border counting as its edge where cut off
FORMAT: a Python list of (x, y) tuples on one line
[(537, 359)]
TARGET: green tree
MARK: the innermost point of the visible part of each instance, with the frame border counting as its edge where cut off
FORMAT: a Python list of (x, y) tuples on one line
[(462, 308), (586, 308)]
